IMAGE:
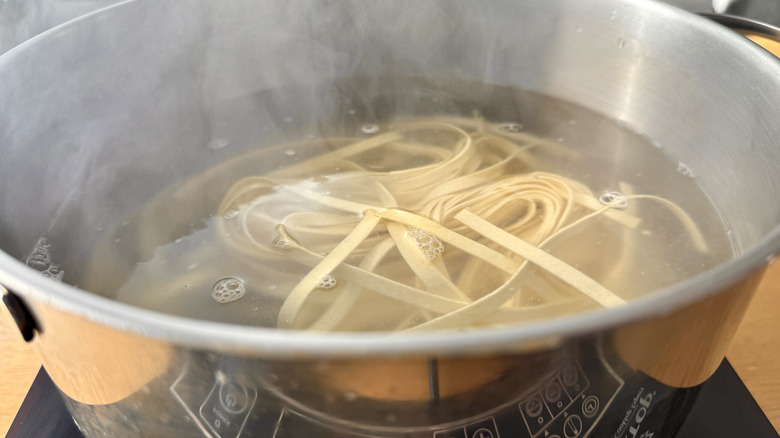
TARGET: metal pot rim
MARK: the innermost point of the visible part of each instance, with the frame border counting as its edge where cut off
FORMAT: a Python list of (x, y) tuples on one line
[(275, 342), (743, 24)]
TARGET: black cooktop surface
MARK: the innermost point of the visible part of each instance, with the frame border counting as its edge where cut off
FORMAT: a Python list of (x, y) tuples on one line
[(724, 409)]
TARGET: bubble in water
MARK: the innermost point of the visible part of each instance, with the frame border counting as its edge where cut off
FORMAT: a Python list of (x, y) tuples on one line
[(40, 258), (369, 129), (39, 261), (614, 200), (620, 43), (612, 15), (510, 127), (227, 290), (281, 242), (327, 282), (290, 152), (572, 122), (429, 244), (177, 240), (218, 143), (351, 112), (685, 170), (54, 272), (230, 214), (533, 300), (350, 396), (192, 266), (578, 29)]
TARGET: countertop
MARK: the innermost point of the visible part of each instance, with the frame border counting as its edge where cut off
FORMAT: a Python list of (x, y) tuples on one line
[(755, 355)]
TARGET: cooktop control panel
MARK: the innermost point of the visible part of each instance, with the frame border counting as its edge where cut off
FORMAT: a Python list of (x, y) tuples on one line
[(567, 405)]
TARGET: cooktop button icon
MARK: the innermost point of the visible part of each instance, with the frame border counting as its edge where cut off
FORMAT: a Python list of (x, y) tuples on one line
[(227, 407), (482, 433), (485, 428), (534, 406), (572, 427), (569, 375), (233, 397), (553, 391), (590, 406)]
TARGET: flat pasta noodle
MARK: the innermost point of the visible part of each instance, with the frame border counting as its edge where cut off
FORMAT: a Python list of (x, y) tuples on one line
[(432, 236), (298, 295), (544, 260)]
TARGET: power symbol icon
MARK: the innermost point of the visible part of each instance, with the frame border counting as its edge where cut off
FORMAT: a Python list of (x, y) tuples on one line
[(482, 433), (572, 427)]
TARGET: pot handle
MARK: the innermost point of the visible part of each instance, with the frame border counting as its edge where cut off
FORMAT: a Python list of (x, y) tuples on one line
[(765, 35), (21, 314)]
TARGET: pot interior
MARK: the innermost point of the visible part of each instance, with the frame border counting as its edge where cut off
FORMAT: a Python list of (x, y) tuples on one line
[(103, 114)]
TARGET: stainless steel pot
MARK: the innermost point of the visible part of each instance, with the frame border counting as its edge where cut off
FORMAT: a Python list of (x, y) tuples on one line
[(105, 111)]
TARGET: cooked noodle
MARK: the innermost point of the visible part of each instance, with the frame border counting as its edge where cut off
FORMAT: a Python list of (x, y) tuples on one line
[(426, 215)]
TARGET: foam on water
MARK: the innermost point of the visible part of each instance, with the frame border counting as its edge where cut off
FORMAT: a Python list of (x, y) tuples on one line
[(227, 290)]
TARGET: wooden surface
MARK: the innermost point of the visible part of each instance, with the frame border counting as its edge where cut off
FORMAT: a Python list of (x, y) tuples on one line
[(755, 355), (18, 367), (755, 352)]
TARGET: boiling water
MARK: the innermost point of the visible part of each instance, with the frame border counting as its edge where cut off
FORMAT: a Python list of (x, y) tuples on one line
[(206, 251)]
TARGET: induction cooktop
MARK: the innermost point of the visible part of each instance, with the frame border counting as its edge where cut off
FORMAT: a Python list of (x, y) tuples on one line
[(723, 408)]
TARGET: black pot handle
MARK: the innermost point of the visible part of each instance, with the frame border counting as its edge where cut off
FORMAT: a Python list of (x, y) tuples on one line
[(21, 314)]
